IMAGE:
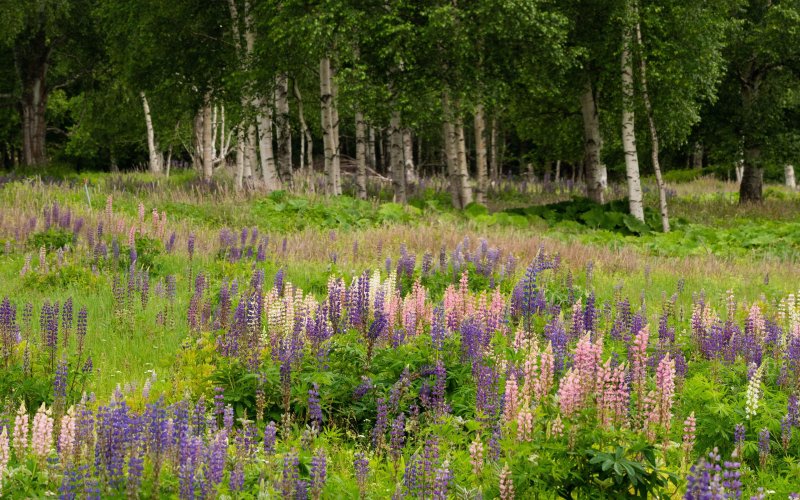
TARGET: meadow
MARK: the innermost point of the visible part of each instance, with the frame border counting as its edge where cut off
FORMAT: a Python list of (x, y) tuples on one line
[(170, 338)]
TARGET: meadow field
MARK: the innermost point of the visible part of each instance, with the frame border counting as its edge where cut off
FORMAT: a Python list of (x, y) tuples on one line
[(168, 338)]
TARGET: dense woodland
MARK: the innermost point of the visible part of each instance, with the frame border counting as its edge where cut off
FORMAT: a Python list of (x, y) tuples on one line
[(264, 89)]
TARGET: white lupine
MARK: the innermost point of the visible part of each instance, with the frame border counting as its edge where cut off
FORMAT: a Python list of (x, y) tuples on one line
[(753, 393)]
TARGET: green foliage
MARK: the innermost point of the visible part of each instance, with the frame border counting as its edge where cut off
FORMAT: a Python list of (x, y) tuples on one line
[(51, 239)]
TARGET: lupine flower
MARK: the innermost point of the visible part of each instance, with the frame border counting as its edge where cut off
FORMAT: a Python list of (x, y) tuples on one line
[(506, 484), (511, 403), (708, 480), (20, 436), (289, 477), (753, 393), (476, 455), (738, 439), (525, 423), (381, 422), (66, 439), (361, 466), (441, 482), (318, 473), (314, 408), (5, 454), (786, 432), (763, 446), (270, 435), (689, 428), (42, 432), (397, 437)]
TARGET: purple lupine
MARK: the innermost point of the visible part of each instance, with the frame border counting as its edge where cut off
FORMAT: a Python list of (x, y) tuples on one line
[(441, 482), (170, 243), (60, 381), (227, 418), (786, 431), (361, 466), (381, 421), (438, 328), (215, 460), (318, 473), (66, 320), (270, 436), (363, 388), (555, 333), (289, 477), (190, 245), (793, 410), (763, 446), (439, 389), (314, 407), (397, 437)]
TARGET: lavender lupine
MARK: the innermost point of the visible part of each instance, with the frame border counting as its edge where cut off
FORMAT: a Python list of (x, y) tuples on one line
[(738, 439), (318, 473), (314, 407), (361, 466), (397, 437), (763, 447), (709, 480), (289, 477)]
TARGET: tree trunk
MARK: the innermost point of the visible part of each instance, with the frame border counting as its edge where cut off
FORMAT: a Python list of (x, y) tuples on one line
[(240, 157), (592, 144), (788, 171), (752, 181), (269, 172), (371, 159), (558, 172), (408, 158), (361, 156), (463, 165), (250, 156), (494, 160), (32, 59), (284, 129), (396, 158), (152, 144), (208, 143), (337, 178), (329, 126), (480, 155), (628, 130), (654, 142), (308, 140), (697, 155)]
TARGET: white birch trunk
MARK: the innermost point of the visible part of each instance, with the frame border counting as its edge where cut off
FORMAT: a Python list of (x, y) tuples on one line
[(396, 158), (628, 130), (308, 141), (558, 171), (408, 157), (494, 160), (463, 165), (208, 143), (592, 145), (371, 149), (361, 156), (269, 172), (662, 191), (480, 154), (240, 158), (152, 144), (334, 110), (284, 128), (788, 171), (326, 102)]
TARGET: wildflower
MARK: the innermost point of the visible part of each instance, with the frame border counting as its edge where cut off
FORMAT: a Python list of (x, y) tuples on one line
[(689, 427), (476, 455), (763, 446), (753, 393), (506, 484), (318, 473), (20, 436), (42, 439)]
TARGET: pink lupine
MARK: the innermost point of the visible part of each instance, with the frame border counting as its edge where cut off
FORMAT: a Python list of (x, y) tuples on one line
[(587, 360), (755, 320), (497, 309), (557, 426), (453, 305), (5, 454), (546, 373), (20, 436), (689, 428), (658, 403), (132, 236), (109, 207), (155, 221), (525, 423), (66, 440), (141, 215), (511, 399), (42, 435), (612, 395), (530, 370), (506, 484), (571, 393), (638, 362), (476, 455)]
